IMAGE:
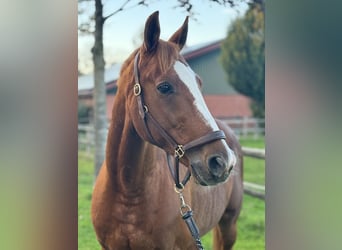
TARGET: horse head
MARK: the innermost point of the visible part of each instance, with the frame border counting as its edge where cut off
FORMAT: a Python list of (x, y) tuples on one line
[(165, 87)]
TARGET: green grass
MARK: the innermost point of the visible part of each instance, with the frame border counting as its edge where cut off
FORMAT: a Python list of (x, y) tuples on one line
[(254, 169), (251, 223), (86, 235)]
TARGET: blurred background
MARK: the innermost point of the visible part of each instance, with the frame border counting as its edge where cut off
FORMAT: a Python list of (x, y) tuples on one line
[(39, 98), (225, 47)]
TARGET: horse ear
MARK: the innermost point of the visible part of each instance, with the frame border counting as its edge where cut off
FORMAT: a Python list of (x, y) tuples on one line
[(152, 32), (179, 37)]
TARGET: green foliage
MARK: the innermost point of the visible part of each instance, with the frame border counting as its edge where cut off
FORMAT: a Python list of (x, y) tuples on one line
[(243, 57)]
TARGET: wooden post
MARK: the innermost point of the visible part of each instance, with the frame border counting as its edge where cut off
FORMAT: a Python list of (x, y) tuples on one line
[(254, 152)]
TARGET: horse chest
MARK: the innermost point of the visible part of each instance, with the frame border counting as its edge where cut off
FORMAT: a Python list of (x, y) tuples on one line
[(139, 236), (142, 226), (130, 237), (141, 241)]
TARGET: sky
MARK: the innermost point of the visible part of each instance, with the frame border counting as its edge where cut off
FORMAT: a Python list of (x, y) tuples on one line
[(209, 23)]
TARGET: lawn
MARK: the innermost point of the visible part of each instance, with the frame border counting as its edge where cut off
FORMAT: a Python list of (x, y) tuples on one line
[(86, 234), (251, 223)]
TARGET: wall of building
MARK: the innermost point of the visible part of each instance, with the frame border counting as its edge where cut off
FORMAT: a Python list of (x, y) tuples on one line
[(212, 74)]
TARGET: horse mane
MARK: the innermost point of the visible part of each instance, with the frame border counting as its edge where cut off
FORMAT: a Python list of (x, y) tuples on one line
[(126, 67)]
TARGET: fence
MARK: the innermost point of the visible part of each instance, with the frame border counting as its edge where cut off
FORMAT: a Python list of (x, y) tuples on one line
[(253, 189), (86, 139), (246, 126), (242, 126), (86, 144)]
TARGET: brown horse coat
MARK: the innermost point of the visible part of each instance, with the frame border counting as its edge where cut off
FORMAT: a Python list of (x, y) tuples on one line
[(134, 205)]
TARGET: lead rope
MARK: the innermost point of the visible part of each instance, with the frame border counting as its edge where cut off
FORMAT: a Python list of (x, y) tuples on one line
[(187, 213)]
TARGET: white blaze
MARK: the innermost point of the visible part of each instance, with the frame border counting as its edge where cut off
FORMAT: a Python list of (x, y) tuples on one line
[(188, 77)]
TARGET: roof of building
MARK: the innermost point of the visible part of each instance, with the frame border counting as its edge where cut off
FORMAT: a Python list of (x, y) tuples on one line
[(200, 49), (86, 82)]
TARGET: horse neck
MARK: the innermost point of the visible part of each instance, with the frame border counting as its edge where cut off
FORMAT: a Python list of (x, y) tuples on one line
[(128, 157)]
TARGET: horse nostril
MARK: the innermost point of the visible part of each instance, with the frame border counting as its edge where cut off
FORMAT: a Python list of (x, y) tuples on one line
[(217, 165)]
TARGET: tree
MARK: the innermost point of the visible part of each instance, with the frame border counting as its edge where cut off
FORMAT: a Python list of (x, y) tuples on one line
[(100, 112), (243, 57)]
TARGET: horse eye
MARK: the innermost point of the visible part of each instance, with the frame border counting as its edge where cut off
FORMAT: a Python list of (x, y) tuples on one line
[(165, 88)]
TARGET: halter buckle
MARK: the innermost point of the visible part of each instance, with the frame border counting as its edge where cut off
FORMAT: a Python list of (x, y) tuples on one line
[(179, 151), (137, 89)]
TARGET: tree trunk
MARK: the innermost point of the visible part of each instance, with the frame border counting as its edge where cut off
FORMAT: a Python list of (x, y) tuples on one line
[(99, 90)]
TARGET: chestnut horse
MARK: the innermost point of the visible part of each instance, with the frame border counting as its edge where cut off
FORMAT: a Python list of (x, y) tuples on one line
[(159, 108)]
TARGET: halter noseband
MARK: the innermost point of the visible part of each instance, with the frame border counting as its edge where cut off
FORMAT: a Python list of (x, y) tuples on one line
[(180, 150)]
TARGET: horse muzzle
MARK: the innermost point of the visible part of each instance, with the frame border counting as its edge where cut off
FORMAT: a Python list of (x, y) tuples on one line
[(212, 168)]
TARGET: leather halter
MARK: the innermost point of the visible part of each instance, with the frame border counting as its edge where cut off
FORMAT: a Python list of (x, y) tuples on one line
[(180, 150)]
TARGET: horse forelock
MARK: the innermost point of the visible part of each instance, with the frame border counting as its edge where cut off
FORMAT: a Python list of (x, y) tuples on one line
[(161, 60), (152, 65)]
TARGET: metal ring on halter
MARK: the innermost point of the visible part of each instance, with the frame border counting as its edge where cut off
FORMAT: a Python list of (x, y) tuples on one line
[(179, 190), (145, 108), (137, 89), (184, 209)]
